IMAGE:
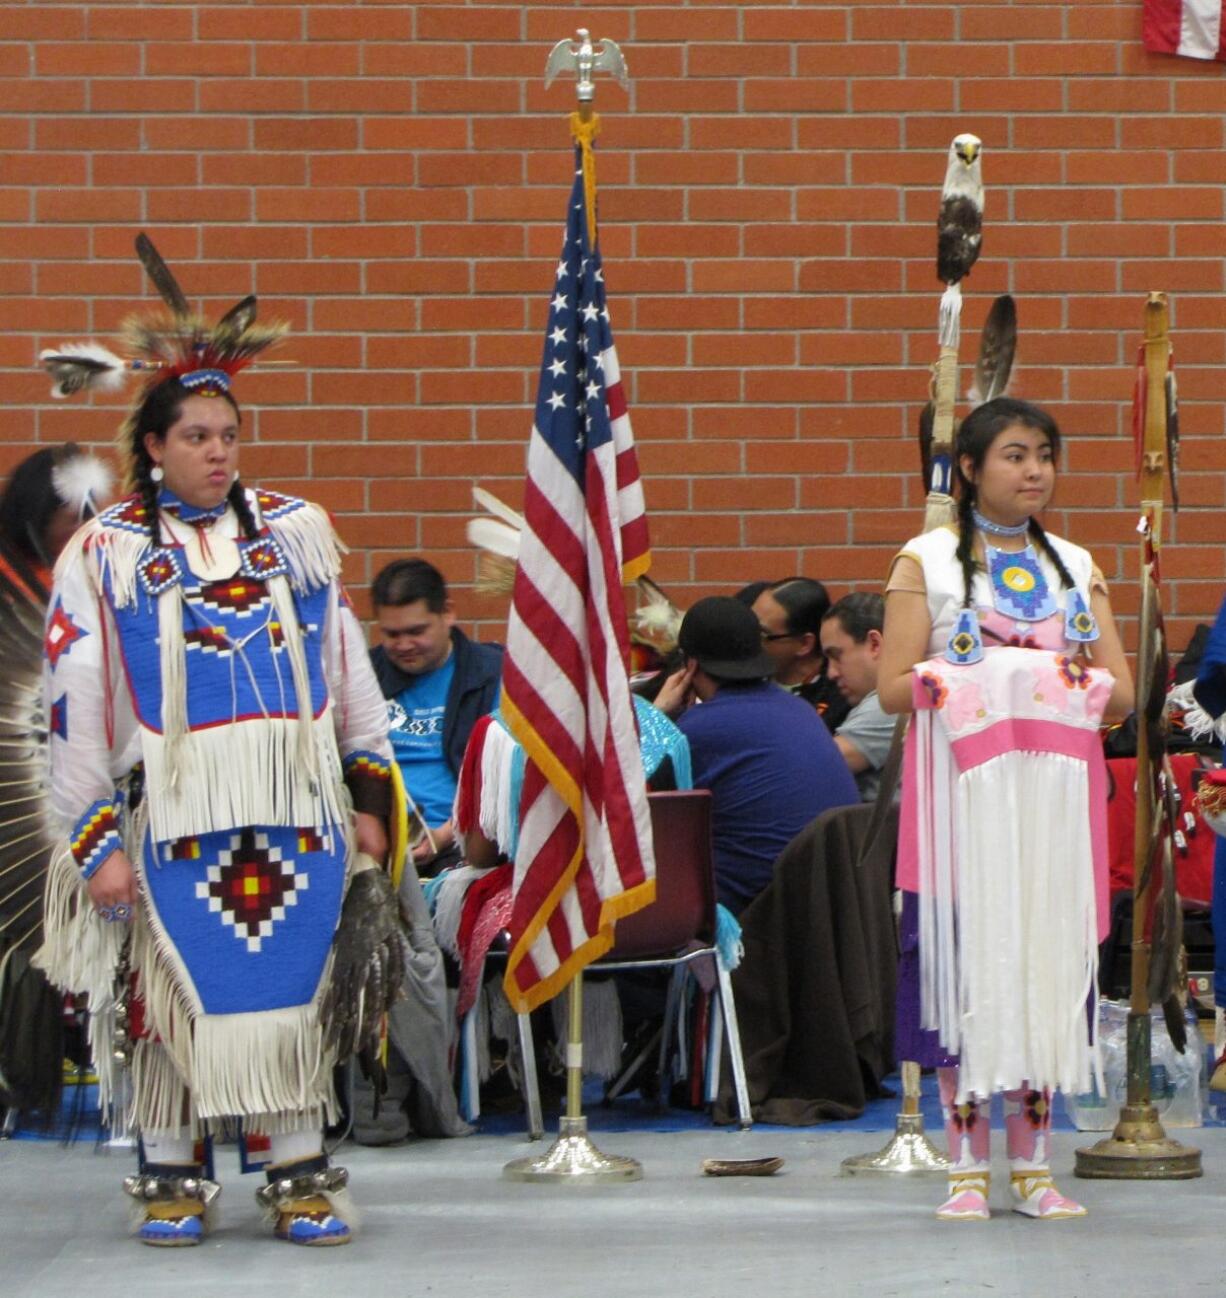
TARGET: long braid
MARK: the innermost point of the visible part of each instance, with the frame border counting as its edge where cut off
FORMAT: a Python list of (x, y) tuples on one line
[(1044, 543), (237, 497), (966, 539), (148, 490)]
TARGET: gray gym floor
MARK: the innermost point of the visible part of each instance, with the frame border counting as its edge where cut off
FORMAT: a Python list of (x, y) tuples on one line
[(438, 1219)]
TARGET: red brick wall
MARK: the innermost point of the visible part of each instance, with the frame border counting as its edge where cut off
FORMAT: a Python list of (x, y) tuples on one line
[(392, 179)]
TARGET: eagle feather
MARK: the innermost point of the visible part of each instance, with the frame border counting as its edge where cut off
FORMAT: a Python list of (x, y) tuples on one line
[(997, 345)]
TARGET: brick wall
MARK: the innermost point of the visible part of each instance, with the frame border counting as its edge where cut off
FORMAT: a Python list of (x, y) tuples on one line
[(392, 179)]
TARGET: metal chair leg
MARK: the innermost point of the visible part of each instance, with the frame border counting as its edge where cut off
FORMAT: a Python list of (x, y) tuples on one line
[(671, 1006), (728, 1006), (715, 1051), (532, 1089), (470, 1083)]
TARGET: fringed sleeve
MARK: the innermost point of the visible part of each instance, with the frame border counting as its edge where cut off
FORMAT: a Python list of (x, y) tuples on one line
[(94, 741), (93, 745)]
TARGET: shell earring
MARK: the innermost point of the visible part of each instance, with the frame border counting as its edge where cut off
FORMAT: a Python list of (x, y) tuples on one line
[(156, 474)]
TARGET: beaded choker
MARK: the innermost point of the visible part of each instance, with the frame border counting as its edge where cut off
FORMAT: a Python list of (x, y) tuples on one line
[(999, 529), (186, 513)]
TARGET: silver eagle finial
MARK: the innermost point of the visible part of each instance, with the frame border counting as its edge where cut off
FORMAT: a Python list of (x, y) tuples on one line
[(585, 60)]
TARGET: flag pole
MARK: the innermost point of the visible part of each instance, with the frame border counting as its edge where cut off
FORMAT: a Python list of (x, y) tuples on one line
[(1139, 1148), (573, 1157)]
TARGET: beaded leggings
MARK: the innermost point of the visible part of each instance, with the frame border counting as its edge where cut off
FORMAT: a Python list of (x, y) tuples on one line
[(968, 1127)]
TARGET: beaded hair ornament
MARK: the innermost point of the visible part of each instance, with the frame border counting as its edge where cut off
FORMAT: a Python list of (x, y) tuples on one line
[(180, 345)]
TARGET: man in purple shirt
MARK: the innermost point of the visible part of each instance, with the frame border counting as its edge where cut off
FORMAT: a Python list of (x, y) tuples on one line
[(766, 756)]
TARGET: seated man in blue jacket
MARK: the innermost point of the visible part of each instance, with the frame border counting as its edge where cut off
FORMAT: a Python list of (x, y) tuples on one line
[(437, 682), (765, 754)]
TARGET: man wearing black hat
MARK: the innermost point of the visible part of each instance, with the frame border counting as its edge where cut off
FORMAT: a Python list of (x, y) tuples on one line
[(766, 756)]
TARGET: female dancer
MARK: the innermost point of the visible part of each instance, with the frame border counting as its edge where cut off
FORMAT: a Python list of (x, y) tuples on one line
[(1000, 637)]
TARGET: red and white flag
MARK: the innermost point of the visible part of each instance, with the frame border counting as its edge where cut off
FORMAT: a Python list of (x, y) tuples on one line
[(584, 854), (1192, 28)]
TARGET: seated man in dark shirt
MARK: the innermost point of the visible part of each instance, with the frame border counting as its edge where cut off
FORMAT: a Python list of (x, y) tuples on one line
[(768, 760), (790, 613)]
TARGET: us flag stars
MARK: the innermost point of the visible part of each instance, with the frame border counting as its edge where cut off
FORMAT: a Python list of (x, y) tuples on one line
[(571, 376)]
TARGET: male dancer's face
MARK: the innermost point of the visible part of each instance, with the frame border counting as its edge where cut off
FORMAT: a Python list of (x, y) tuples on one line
[(199, 454)]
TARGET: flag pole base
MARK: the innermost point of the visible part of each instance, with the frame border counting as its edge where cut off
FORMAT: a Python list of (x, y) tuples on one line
[(573, 1157), (909, 1152), (1139, 1150)]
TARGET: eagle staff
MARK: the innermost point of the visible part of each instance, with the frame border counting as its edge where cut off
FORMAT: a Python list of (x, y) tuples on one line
[(959, 235)]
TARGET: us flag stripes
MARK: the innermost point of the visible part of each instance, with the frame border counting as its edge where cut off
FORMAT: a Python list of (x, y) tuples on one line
[(1192, 28), (584, 856)]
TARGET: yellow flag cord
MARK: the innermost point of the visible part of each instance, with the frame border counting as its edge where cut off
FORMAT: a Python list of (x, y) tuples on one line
[(585, 127)]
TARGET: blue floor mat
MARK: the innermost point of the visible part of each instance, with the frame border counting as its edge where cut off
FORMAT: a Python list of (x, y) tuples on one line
[(632, 1113)]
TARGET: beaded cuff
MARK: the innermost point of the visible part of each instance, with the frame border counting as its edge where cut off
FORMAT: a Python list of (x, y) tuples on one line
[(95, 836), (369, 778)]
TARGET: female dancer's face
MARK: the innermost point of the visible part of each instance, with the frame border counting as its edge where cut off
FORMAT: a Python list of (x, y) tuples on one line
[(199, 454), (1017, 477)]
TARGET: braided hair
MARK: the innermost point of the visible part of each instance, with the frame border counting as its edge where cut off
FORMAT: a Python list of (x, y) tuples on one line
[(157, 413), (979, 430)]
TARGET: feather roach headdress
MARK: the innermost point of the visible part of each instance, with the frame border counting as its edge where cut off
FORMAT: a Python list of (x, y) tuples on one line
[(176, 345)]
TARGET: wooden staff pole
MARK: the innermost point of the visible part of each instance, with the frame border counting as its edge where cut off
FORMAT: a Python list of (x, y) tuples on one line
[(1139, 1148), (1153, 472)]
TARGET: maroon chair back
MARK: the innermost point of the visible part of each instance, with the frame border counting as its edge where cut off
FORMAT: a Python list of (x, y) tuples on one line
[(684, 908)]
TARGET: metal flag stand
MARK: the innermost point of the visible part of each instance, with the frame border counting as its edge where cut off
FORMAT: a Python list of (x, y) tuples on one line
[(1139, 1148), (908, 1152), (573, 1157)]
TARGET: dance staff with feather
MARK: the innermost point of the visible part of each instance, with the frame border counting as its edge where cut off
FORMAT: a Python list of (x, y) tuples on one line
[(999, 637), (221, 772)]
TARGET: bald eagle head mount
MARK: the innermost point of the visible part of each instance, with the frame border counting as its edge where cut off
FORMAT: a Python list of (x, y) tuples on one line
[(960, 224)]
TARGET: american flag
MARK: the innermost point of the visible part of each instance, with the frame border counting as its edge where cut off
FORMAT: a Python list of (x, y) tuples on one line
[(584, 856), (1192, 28)]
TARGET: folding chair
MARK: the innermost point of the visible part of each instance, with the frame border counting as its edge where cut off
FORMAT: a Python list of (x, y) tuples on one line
[(674, 932), (679, 929)]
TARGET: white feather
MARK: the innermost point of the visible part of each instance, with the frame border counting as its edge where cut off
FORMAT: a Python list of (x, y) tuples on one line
[(110, 379), (658, 620), (84, 480), (489, 501), (498, 538)]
